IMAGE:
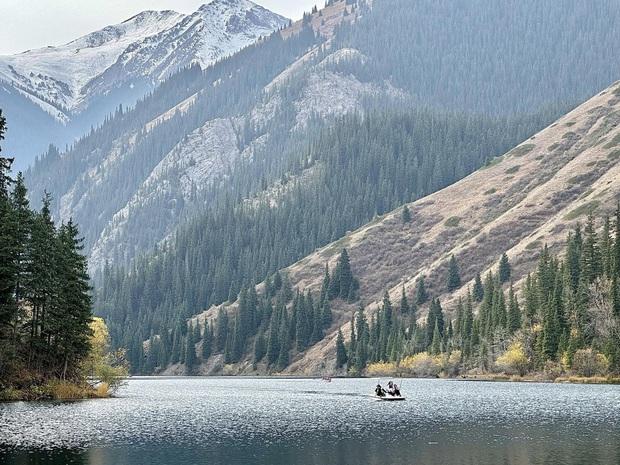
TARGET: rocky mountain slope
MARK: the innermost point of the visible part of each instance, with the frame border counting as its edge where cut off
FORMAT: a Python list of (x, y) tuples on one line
[(184, 172), (76, 83), (529, 197)]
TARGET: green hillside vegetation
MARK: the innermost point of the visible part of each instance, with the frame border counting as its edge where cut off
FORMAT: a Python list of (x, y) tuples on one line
[(565, 320), (364, 167), (267, 330), (463, 57)]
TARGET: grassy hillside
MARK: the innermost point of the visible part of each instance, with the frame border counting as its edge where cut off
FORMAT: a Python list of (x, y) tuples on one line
[(531, 196)]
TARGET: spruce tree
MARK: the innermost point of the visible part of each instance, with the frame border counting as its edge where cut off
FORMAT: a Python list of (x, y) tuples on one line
[(325, 285), (406, 215), (207, 341), (260, 347), (221, 333), (71, 317), (341, 351), (404, 304), (454, 277), (435, 348), (421, 294), (505, 271), (478, 291), (514, 312), (616, 258), (283, 356), (190, 352)]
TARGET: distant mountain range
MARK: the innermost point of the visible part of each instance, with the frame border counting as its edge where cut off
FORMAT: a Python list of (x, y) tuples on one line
[(69, 88)]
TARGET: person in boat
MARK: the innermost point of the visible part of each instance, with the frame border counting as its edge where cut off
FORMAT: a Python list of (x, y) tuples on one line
[(379, 391), (393, 389)]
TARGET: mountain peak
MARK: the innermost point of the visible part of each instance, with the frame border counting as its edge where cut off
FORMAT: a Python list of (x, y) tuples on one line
[(244, 4)]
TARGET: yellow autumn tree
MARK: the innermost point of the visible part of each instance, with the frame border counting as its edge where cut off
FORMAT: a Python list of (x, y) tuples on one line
[(106, 369), (514, 360)]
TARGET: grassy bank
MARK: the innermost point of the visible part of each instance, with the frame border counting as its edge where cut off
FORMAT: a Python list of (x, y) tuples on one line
[(55, 390), (503, 377)]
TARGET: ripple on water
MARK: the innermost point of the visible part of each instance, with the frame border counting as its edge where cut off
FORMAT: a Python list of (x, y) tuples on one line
[(215, 412)]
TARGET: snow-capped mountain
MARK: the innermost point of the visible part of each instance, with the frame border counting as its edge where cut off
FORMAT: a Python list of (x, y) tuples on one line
[(79, 82)]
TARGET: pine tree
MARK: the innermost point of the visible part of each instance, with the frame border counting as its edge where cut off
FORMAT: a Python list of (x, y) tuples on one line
[(435, 348), (341, 351), (421, 294), (478, 291), (504, 269), (514, 312), (406, 215), (207, 341), (454, 277), (190, 352)]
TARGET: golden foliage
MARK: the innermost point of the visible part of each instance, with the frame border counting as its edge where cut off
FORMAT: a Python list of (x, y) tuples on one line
[(588, 363), (106, 369), (64, 390), (381, 369), (422, 364), (514, 360)]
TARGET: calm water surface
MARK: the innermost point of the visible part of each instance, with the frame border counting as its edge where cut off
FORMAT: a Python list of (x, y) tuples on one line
[(308, 422)]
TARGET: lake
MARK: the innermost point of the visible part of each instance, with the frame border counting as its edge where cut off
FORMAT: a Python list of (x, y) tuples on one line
[(310, 422)]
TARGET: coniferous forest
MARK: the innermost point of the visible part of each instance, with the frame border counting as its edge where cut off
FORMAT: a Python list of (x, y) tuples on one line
[(565, 318), (355, 170), (45, 294)]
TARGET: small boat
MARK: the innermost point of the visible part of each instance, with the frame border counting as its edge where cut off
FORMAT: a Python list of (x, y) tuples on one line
[(389, 398)]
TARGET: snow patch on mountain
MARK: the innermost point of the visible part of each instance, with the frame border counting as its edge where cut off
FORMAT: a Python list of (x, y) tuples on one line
[(150, 46)]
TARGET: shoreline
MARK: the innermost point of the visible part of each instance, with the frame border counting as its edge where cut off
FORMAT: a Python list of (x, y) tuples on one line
[(76, 392), (480, 378), (55, 391)]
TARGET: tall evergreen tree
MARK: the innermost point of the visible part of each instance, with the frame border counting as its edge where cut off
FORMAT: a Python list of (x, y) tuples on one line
[(406, 215), (421, 294), (341, 351), (504, 269), (478, 291), (454, 276)]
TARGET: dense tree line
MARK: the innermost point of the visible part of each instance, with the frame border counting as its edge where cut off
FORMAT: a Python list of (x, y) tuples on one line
[(269, 329), (361, 167), (45, 302), (487, 57), (566, 317)]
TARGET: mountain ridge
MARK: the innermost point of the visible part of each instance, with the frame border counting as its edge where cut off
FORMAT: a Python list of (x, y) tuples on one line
[(93, 74)]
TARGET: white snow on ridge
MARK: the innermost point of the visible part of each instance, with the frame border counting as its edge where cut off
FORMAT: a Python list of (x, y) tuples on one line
[(59, 73), (151, 45)]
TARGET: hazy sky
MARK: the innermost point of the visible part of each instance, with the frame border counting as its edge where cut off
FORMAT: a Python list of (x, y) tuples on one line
[(30, 24)]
